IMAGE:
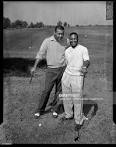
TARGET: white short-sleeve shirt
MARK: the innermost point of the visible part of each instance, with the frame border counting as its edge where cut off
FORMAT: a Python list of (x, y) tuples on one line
[(75, 57)]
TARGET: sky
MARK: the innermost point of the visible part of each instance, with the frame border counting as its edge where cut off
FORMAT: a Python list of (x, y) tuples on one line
[(50, 12)]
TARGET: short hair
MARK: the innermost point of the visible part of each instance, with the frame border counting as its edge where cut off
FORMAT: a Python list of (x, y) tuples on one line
[(73, 33), (59, 27)]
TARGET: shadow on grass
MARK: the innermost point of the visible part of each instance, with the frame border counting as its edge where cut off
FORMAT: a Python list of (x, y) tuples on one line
[(88, 105), (20, 66)]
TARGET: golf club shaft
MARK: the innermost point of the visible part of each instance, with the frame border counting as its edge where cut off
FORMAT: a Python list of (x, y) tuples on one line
[(31, 78), (83, 81)]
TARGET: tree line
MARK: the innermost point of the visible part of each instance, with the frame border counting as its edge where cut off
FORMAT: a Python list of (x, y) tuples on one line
[(23, 24)]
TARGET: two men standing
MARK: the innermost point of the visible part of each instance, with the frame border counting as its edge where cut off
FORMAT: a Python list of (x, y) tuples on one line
[(66, 64)]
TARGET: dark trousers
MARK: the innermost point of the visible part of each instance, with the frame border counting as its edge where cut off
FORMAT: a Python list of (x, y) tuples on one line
[(53, 77)]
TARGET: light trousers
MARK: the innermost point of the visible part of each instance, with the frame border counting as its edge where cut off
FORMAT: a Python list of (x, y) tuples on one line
[(72, 88)]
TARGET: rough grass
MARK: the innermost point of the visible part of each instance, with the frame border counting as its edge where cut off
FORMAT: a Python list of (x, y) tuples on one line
[(22, 98)]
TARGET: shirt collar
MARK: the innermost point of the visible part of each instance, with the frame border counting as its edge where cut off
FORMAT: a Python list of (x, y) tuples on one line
[(75, 47), (52, 38)]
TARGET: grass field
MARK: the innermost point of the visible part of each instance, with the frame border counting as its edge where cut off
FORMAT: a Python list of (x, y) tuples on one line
[(22, 98)]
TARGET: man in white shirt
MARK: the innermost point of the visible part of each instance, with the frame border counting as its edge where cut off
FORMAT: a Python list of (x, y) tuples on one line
[(77, 59), (53, 49)]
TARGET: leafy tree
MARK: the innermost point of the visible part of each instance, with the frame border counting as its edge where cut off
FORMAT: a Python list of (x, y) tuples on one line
[(24, 24), (68, 25), (37, 25), (6, 23), (77, 25), (13, 25), (31, 25), (40, 24), (19, 24), (59, 23), (65, 24)]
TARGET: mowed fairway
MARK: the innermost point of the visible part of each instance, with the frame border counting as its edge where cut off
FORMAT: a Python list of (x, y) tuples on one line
[(21, 98)]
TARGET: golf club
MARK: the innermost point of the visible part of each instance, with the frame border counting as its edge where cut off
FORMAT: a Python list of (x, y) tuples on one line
[(32, 74)]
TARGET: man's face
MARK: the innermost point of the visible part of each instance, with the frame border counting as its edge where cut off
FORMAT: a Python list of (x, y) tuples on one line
[(73, 40), (59, 34)]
